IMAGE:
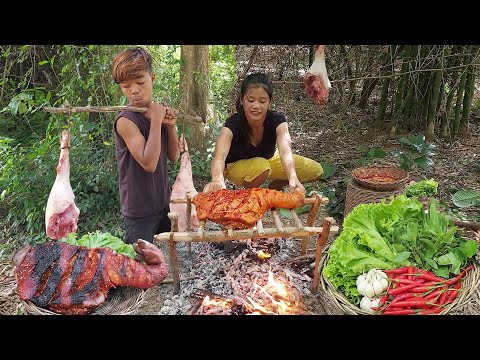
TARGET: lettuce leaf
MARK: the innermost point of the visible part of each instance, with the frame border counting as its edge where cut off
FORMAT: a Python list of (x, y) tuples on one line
[(101, 239)]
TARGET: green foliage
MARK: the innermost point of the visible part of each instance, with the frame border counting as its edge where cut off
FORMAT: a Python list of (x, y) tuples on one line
[(370, 154), (328, 170), (426, 188), (223, 77), (419, 152), (100, 239), (466, 198)]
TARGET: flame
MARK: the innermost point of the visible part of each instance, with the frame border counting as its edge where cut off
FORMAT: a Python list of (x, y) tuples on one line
[(278, 295), (216, 302), (263, 255)]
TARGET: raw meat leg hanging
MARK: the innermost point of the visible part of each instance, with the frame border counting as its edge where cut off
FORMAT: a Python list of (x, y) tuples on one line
[(184, 185), (61, 214), (316, 79)]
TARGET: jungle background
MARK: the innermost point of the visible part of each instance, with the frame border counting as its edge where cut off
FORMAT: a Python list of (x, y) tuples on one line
[(414, 106)]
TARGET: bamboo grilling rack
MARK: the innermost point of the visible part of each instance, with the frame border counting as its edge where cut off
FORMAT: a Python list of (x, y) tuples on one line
[(257, 232)]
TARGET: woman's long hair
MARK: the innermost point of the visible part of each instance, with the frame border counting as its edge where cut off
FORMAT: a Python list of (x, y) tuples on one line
[(251, 81)]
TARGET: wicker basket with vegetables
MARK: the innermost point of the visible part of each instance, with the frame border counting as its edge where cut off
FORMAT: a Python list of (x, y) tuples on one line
[(398, 259)]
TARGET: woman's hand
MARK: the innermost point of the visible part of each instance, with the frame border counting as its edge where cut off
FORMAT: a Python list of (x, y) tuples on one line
[(215, 185), (295, 185)]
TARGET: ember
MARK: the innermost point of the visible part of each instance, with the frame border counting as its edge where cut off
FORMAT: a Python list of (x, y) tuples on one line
[(257, 289)]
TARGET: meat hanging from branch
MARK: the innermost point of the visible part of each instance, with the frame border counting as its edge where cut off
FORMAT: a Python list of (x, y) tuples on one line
[(61, 214), (316, 79), (69, 279), (182, 187), (241, 209)]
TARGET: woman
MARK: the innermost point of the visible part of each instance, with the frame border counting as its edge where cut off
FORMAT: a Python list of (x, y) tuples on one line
[(245, 151)]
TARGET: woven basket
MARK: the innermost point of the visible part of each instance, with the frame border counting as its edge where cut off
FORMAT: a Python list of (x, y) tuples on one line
[(121, 301), (356, 195), (399, 174), (470, 284)]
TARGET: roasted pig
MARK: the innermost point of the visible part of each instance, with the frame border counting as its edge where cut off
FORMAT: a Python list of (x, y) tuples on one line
[(241, 209), (70, 279)]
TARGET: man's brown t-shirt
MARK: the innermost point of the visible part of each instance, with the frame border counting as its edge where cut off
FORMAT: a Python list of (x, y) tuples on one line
[(141, 193)]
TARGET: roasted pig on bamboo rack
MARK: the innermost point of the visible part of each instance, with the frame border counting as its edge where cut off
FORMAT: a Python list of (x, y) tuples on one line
[(241, 209)]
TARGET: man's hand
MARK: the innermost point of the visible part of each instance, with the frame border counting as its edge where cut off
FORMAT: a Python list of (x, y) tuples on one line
[(215, 185), (156, 112), (170, 116)]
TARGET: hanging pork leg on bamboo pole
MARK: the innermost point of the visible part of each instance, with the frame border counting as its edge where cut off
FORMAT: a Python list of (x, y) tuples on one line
[(61, 214), (316, 79)]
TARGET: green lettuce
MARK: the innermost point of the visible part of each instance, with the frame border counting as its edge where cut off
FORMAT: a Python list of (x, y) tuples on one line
[(99, 240)]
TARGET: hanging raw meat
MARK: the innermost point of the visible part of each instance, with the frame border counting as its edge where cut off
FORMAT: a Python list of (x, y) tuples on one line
[(316, 80), (61, 214), (184, 185), (70, 279), (241, 209)]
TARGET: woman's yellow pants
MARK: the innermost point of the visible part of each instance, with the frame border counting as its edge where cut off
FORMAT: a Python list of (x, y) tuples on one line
[(248, 169)]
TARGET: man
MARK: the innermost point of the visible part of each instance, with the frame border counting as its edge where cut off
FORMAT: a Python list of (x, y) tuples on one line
[(143, 143)]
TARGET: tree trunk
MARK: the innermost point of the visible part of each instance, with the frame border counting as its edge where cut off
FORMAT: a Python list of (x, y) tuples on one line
[(469, 87), (432, 109), (194, 91), (460, 94), (444, 127), (368, 84)]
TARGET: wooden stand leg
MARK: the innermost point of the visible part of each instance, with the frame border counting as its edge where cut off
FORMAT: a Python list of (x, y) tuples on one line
[(312, 214), (321, 242), (189, 222), (174, 265), (173, 253)]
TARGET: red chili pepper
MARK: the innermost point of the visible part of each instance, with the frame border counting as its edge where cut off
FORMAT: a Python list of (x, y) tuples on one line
[(399, 312), (459, 276), (401, 289), (430, 311), (435, 293), (403, 281), (414, 303), (423, 289), (443, 297), (397, 271), (453, 292), (430, 276)]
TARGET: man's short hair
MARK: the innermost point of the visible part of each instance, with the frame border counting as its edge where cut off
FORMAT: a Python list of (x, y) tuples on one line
[(129, 63)]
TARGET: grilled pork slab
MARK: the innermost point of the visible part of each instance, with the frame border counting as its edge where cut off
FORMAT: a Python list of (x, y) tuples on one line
[(241, 209), (70, 279)]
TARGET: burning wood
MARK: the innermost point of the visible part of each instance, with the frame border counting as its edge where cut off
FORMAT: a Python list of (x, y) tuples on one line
[(271, 296)]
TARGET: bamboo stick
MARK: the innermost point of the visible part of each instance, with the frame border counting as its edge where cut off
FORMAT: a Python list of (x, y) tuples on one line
[(296, 219), (321, 242), (311, 200), (173, 216), (101, 109), (201, 226), (189, 221), (219, 235), (260, 230), (312, 214), (276, 220)]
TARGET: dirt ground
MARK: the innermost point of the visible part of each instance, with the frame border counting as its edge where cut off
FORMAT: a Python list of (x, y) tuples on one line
[(324, 134)]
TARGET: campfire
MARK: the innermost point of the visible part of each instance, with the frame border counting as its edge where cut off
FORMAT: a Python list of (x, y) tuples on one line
[(258, 291)]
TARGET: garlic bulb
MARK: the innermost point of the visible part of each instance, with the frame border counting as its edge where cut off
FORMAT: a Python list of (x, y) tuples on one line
[(372, 284), (366, 304)]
